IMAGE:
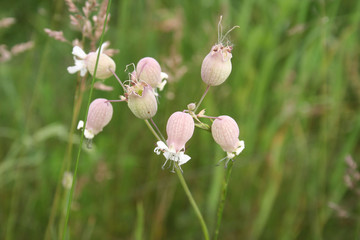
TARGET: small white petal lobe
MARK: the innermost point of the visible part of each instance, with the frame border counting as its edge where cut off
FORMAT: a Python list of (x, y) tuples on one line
[(80, 124), (78, 52)]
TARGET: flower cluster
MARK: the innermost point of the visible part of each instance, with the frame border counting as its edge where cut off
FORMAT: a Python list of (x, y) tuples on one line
[(215, 69), (141, 92)]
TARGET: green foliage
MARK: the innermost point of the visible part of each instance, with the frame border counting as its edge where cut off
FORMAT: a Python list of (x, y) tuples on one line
[(294, 91)]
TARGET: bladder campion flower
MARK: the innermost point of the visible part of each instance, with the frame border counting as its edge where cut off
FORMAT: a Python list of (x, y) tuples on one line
[(225, 132), (86, 62), (141, 100), (179, 128), (216, 66), (149, 71), (99, 115)]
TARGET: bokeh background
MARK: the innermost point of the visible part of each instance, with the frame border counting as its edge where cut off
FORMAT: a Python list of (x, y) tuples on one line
[(294, 91)]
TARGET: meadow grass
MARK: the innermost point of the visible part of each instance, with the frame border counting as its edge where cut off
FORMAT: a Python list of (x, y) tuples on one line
[(294, 91)]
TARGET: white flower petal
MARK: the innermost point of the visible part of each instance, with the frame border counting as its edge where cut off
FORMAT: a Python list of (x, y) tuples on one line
[(78, 52), (83, 72), (80, 124), (168, 155), (155, 93), (79, 66), (164, 76), (162, 145), (230, 155), (240, 148), (103, 47), (88, 134), (162, 85), (73, 69), (183, 158)]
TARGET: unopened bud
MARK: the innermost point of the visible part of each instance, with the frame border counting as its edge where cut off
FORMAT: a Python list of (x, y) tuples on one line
[(191, 106), (216, 66), (142, 101), (179, 128)]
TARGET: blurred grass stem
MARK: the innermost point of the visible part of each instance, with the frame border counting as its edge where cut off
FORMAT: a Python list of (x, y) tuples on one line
[(222, 200), (79, 92), (83, 129)]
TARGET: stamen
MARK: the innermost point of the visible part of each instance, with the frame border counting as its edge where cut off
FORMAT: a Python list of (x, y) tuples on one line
[(180, 169), (163, 166), (89, 143), (227, 162), (173, 168), (221, 161)]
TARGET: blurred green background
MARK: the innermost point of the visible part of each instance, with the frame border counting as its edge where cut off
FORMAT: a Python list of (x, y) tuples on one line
[(294, 91)]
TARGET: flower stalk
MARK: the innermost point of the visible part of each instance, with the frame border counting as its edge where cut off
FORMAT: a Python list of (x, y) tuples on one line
[(186, 190), (202, 98), (193, 203)]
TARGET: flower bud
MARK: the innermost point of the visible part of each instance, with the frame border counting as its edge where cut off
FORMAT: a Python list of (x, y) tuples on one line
[(216, 66), (179, 128), (99, 115), (191, 106), (105, 64), (225, 132), (141, 100)]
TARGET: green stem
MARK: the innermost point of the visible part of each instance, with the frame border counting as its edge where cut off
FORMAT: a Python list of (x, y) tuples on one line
[(186, 189), (202, 98), (82, 134), (222, 200), (193, 203), (152, 130)]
